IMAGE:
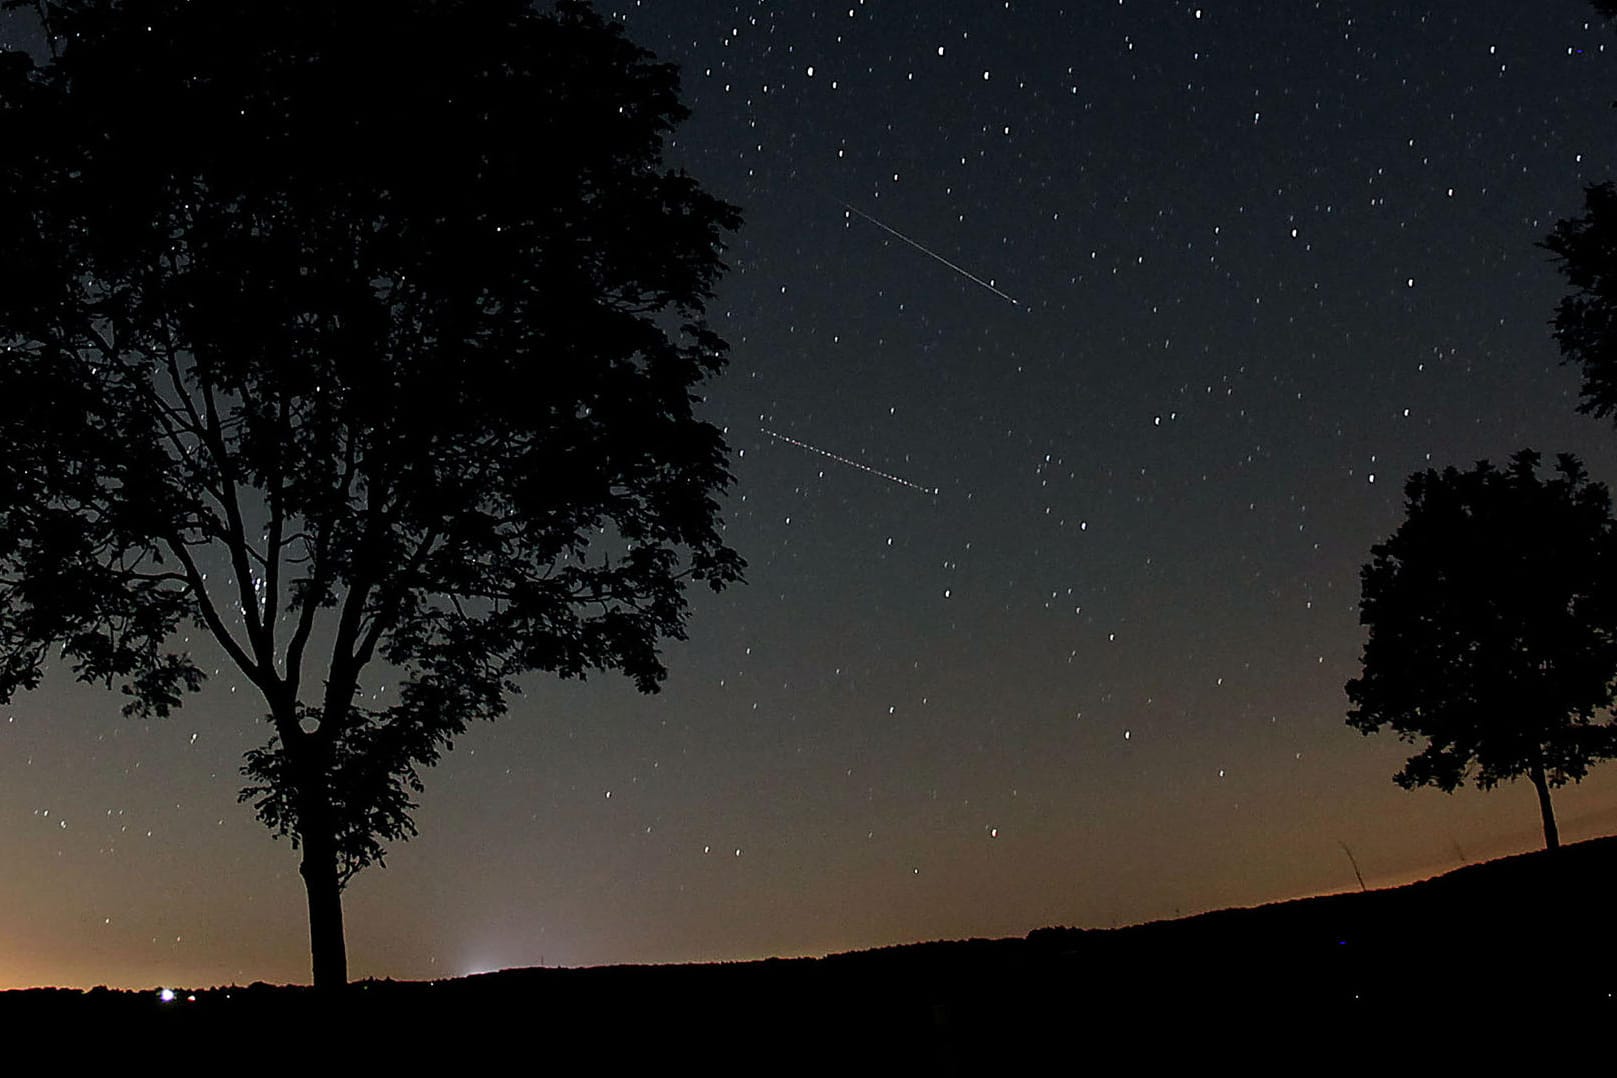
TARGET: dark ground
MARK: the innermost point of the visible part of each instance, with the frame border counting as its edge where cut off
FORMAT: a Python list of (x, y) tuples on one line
[(1481, 959)]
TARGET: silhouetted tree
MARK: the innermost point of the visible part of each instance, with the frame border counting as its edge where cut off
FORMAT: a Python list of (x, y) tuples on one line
[(1586, 321), (365, 336), (1493, 629)]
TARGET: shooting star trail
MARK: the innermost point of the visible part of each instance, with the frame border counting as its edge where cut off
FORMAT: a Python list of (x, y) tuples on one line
[(967, 274), (789, 440)]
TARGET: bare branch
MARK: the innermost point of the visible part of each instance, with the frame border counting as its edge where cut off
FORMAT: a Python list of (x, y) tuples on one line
[(236, 538), (277, 526), (210, 615)]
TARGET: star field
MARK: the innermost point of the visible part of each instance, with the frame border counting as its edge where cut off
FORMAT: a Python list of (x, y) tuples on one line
[(1050, 598)]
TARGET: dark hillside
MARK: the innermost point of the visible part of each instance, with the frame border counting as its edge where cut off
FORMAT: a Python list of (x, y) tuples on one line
[(1524, 935)]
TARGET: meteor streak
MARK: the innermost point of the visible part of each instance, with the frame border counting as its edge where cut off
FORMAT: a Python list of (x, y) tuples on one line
[(850, 463), (967, 274)]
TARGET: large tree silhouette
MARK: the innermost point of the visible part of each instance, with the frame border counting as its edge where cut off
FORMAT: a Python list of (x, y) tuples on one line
[(365, 336), (1493, 629)]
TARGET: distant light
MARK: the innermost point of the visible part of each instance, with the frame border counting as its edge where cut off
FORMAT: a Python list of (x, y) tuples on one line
[(166, 995)]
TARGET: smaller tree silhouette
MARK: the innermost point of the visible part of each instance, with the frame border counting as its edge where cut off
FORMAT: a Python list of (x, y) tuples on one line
[(1492, 633), (1586, 319)]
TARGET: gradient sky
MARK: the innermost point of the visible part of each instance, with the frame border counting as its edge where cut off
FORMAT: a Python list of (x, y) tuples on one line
[(1267, 258)]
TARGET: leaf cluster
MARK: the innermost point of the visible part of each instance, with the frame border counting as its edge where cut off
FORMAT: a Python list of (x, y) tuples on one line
[(368, 784)]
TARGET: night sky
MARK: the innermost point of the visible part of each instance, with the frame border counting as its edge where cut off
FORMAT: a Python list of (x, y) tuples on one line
[(1079, 354)]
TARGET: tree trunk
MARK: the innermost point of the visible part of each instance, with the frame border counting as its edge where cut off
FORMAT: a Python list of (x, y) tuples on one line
[(1552, 835), (319, 870)]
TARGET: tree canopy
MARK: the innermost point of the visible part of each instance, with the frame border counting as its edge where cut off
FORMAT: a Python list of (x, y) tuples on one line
[(365, 336), (1492, 617)]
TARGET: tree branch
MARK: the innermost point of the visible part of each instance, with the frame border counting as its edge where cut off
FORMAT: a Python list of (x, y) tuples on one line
[(210, 615), (277, 527), (321, 580), (236, 538), (388, 612)]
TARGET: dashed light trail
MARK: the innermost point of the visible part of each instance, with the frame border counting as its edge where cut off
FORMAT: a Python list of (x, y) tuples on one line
[(789, 440), (967, 274)]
